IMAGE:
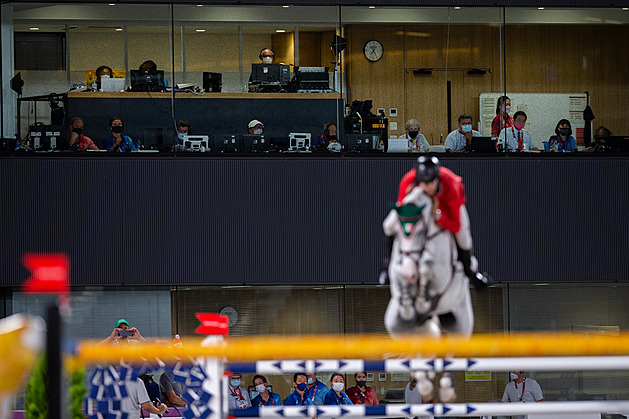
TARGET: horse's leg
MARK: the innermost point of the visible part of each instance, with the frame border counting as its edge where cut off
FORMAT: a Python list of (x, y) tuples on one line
[(460, 319), (394, 324)]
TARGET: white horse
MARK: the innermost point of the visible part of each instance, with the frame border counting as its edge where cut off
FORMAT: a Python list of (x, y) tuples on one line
[(429, 291)]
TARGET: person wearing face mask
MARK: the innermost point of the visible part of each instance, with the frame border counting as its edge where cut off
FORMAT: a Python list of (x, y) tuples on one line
[(563, 141), (267, 55), (264, 397), (336, 395), (503, 119), (599, 136), (183, 129), (460, 140), (237, 397), (255, 127), (76, 139), (516, 138), (102, 72), (417, 143), (316, 389), (117, 141), (361, 393), (299, 397), (329, 140), (521, 389)]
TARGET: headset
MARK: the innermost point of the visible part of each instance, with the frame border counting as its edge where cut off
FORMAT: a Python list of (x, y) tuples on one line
[(264, 49)]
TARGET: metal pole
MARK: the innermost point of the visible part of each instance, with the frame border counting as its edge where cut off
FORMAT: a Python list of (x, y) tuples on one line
[(53, 349)]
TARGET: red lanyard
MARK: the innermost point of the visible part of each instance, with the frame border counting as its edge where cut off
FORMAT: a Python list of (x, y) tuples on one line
[(270, 402), (523, 387), (236, 392), (520, 145)]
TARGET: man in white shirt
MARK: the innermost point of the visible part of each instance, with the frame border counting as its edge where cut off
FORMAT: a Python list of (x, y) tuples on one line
[(516, 138), (522, 390), (137, 399), (460, 140)]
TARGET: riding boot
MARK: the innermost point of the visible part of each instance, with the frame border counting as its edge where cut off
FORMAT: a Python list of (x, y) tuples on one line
[(383, 277), (480, 281)]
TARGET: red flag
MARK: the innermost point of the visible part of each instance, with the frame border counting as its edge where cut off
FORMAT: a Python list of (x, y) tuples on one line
[(212, 324), (50, 273)]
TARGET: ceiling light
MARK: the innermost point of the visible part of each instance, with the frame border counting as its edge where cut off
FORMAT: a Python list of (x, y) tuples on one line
[(286, 6), (118, 29), (200, 30), (457, 8), (372, 7), (34, 29), (199, 5), (112, 4), (540, 8), (625, 8), (280, 30)]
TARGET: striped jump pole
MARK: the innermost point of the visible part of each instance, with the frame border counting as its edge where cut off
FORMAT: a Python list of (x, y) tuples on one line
[(453, 409)]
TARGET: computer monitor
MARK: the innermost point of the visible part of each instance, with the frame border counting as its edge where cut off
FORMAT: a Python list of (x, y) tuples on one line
[(225, 143), (361, 142), (212, 82), (483, 145), (270, 73), (254, 143), (152, 81), (196, 143), (112, 84), (615, 144)]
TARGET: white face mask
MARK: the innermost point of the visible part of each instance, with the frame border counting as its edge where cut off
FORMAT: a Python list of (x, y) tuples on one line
[(513, 376), (338, 386), (267, 60), (507, 109), (180, 135), (260, 388), (258, 131), (104, 76)]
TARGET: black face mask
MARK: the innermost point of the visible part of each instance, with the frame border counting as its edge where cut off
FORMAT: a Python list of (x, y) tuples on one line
[(413, 134), (116, 129), (77, 130), (564, 131), (361, 383)]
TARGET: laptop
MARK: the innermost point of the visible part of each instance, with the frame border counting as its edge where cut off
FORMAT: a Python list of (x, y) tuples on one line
[(112, 84), (397, 145), (483, 145)]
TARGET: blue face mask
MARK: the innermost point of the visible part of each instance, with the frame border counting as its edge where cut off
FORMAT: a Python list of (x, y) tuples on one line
[(466, 128), (235, 383), (302, 386), (310, 380)]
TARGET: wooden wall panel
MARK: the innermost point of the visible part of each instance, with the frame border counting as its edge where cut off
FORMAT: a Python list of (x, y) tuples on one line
[(539, 59), (309, 49), (283, 45)]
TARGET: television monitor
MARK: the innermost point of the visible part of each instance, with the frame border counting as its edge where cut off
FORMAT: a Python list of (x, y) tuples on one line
[(483, 145), (299, 141), (152, 81), (253, 143), (225, 143), (212, 82), (270, 73), (361, 142)]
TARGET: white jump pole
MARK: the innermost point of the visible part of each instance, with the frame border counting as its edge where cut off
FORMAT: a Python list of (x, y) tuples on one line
[(570, 363), (454, 409)]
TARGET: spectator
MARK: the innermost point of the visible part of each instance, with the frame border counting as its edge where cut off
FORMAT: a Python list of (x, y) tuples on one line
[(117, 141), (255, 127), (138, 399), (76, 139), (238, 397), (299, 397), (503, 119), (152, 388), (101, 72), (563, 141), (361, 393), (516, 138), (149, 66), (522, 390), (123, 333), (416, 142), (599, 135), (171, 390), (460, 140), (329, 139), (316, 389), (264, 397), (267, 55), (336, 395), (183, 128)]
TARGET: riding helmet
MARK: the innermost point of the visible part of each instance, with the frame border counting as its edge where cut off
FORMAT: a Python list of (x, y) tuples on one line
[(427, 169)]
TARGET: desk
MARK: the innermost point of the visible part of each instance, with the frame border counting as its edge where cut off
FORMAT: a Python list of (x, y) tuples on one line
[(208, 113)]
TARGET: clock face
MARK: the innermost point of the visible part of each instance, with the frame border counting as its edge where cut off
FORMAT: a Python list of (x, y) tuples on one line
[(231, 313), (373, 50)]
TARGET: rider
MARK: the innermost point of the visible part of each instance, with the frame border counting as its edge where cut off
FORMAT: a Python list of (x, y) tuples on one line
[(446, 189)]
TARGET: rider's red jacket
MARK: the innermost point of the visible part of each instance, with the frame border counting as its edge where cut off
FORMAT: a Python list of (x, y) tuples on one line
[(451, 195)]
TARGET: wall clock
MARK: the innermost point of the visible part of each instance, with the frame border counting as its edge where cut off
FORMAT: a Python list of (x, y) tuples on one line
[(373, 50), (231, 313)]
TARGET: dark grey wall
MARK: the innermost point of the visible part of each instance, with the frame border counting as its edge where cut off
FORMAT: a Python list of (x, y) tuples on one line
[(300, 219)]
